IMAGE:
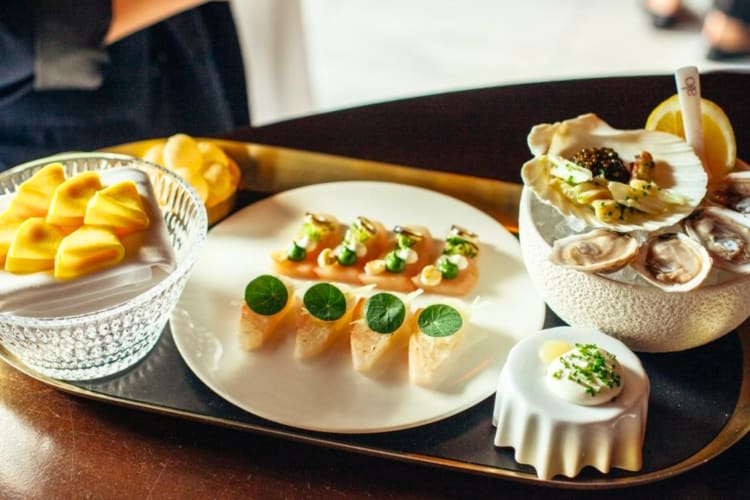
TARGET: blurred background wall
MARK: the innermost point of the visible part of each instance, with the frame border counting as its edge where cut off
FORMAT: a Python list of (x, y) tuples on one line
[(309, 56)]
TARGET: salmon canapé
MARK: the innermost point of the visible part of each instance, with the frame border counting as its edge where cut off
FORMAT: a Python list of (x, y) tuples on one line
[(409, 251), (364, 240), (299, 260), (456, 270)]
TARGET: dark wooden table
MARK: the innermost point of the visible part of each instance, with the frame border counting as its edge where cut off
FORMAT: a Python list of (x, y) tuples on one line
[(54, 445)]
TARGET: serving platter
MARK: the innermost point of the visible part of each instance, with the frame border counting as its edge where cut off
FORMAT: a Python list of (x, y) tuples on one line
[(692, 418)]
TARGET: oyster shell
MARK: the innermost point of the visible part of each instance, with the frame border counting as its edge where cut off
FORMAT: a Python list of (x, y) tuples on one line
[(673, 262), (600, 250), (677, 168), (733, 191), (725, 234)]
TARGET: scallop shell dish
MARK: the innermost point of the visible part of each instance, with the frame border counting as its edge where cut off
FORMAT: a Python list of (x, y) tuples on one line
[(636, 205)]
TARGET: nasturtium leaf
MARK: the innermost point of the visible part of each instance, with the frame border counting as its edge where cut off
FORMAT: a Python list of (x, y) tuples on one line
[(384, 312), (266, 295), (325, 301), (439, 320)]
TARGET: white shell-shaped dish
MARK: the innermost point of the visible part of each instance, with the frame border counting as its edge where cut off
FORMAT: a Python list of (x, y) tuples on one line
[(677, 167), (558, 437)]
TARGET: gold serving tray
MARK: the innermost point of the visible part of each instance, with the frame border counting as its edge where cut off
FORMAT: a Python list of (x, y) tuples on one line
[(267, 170)]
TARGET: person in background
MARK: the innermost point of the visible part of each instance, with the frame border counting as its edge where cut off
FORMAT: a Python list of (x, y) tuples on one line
[(726, 27), (85, 74)]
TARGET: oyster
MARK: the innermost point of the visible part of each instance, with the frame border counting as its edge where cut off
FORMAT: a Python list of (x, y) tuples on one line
[(733, 191), (600, 250), (677, 170), (726, 235), (673, 262)]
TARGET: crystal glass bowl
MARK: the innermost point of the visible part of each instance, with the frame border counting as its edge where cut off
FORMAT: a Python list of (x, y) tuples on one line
[(103, 342)]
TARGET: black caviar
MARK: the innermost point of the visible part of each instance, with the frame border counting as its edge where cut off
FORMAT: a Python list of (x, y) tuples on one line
[(603, 162)]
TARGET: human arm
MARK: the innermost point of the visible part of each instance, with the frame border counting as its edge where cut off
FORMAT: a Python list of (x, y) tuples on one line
[(129, 16)]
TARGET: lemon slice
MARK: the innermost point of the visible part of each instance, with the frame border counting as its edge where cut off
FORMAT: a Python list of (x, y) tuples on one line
[(720, 147)]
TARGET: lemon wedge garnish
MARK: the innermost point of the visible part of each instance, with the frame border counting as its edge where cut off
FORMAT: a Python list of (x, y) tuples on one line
[(720, 147)]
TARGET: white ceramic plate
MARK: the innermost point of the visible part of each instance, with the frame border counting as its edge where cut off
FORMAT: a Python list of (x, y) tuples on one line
[(325, 393)]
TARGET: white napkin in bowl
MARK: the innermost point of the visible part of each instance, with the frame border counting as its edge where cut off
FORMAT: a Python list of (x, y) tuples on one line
[(42, 295)]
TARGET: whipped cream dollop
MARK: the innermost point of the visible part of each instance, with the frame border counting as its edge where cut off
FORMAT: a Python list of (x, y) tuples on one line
[(585, 374)]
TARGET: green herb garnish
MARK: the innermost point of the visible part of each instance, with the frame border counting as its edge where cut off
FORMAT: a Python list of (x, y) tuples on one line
[(405, 241), (325, 302), (457, 245), (296, 253), (346, 256), (439, 320), (384, 312), (448, 269), (394, 263), (358, 233), (313, 230), (266, 295), (589, 368)]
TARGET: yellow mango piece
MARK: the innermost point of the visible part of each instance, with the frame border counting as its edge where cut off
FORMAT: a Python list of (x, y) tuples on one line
[(86, 250), (154, 154), (219, 180), (34, 195), (212, 154), (8, 227), (196, 180), (33, 247), (118, 207), (71, 198), (181, 151)]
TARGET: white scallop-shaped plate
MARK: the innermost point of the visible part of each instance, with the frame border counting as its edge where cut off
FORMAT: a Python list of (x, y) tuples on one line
[(325, 393), (677, 167)]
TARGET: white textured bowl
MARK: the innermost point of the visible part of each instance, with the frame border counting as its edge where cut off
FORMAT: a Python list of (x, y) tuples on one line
[(106, 341), (644, 317)]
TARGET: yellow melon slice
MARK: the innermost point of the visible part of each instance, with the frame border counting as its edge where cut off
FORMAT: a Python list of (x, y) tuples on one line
[(86, 250), (118, 207), (33, 247), (34, 195), (69, 202), (8, 227)]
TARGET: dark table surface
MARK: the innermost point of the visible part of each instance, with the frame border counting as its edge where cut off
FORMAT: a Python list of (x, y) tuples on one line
[(54, 445)]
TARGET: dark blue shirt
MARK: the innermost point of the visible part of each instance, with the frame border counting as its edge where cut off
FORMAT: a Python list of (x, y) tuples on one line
[(60, 90)]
